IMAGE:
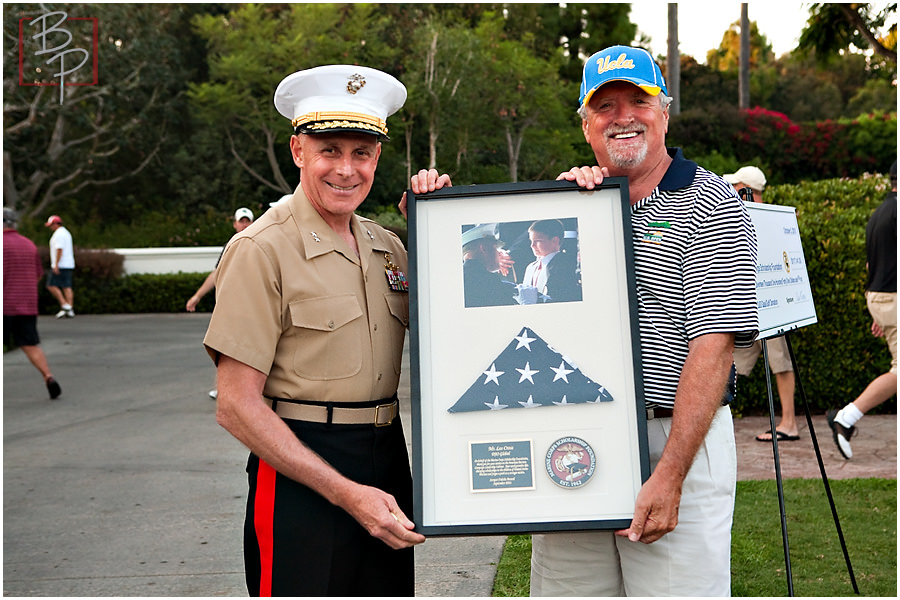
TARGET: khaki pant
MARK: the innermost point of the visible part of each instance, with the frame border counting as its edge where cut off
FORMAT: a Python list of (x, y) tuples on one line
[(883, 308), (692, 560), (779, 357)]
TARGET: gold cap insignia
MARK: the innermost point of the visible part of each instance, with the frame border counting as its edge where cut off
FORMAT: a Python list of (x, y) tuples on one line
[(356, 83)]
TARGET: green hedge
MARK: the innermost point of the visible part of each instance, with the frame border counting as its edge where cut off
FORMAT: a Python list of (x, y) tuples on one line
[(142, 293), (837, 356)]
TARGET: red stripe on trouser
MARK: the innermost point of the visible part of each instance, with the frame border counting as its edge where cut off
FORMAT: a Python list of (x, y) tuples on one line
[(263, 518)]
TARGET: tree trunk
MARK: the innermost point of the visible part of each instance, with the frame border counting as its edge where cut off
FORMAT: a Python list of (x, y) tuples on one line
[(744, 75), (673, 62)]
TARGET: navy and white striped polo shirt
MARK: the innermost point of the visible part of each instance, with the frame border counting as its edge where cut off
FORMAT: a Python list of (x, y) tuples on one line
[(695, 267)]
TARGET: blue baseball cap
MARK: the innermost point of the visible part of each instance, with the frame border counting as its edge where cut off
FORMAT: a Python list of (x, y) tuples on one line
[(621, 63)]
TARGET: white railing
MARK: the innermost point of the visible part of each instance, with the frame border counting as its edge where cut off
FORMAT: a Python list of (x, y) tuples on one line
[(200, 259)]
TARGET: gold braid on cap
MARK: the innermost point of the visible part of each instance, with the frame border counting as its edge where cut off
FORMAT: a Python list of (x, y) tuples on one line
[(334, 120)]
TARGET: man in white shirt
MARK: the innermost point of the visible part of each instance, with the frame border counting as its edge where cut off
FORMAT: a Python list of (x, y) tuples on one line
[(62, 265)]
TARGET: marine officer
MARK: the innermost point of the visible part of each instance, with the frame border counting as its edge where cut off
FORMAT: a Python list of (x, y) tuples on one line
[(311, 312)]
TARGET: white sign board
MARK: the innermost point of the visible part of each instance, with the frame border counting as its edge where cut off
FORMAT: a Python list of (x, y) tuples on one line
[(783, 294)]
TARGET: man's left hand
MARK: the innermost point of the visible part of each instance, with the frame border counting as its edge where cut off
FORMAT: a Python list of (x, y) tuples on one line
[(655, 510), (378, 512)]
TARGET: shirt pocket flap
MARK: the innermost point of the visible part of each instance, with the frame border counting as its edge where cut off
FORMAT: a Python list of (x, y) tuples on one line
[(398, 304), (325, 314)]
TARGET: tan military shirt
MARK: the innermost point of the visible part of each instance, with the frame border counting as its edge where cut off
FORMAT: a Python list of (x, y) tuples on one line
[(295, 302)]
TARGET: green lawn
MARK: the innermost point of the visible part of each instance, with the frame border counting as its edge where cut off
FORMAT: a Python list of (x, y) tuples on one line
[(867, 509)]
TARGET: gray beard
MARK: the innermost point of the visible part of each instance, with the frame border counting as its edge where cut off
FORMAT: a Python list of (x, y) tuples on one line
[(631, 159)]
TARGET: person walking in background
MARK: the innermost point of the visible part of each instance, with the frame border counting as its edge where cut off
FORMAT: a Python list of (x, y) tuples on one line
[(881, 300), (243, 217), (22, 271), (62, 266), (779, 357)]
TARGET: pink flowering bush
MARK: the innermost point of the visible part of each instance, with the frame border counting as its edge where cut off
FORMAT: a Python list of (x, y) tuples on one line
[(790, 152)]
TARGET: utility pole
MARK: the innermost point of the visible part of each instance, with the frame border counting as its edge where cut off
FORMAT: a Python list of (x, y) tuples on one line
[(673, 61), (744, 72)]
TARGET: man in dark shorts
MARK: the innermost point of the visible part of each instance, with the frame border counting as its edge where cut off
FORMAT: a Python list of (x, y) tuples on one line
[(22, 271), (62, 266)]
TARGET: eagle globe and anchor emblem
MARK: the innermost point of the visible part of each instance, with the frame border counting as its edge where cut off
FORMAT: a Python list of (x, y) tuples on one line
[(570, 462), (356, 83)]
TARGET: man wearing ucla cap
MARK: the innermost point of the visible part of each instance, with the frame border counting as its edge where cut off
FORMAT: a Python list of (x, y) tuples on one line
[(695, 257), (311, 313)]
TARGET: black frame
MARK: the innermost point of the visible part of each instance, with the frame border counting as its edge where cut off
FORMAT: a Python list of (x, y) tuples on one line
[(428, 234)]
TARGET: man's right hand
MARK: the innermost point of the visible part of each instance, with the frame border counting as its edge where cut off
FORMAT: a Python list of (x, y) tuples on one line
[(429, 180), (586, 177), (426, 180)]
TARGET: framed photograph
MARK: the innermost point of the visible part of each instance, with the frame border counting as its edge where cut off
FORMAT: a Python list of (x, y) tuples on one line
[(527, 394)]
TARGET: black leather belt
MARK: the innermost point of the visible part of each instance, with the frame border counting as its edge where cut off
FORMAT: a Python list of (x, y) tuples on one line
[(660, 413)]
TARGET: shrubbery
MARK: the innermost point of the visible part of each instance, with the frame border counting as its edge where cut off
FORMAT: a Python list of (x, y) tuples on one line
[(788, 152), (140, 293)]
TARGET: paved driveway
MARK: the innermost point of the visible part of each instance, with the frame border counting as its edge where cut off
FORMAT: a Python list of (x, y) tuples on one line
[(126, 486)]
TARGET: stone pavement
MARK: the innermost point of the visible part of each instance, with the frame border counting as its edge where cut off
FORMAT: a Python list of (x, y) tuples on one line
[(125, 486), (874, 450)]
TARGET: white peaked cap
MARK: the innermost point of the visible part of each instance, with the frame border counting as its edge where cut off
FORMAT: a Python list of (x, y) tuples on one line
[(340, 98)]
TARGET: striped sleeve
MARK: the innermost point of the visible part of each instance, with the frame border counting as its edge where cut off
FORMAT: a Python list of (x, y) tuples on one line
[(720, 270)]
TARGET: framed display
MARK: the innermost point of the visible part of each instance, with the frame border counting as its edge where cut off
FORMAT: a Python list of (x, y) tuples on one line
[(527, 394)]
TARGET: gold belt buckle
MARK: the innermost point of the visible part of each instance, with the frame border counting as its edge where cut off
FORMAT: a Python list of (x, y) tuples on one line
[(389, 414)]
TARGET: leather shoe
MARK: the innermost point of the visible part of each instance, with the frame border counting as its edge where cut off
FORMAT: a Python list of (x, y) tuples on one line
[(53, 388), (841, 434)]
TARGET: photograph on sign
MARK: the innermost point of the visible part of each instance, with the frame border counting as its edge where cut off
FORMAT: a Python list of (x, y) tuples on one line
[(525, 362)]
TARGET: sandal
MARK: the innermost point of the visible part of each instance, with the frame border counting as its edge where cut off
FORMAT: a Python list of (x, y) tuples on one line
[(779, 435)]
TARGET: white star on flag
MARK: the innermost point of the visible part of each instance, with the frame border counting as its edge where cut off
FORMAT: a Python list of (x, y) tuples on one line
[(561, 372), (492, 375), (527, 373), (495, 405), (524, 340), (544, 384), (561, 402), (531, 403)]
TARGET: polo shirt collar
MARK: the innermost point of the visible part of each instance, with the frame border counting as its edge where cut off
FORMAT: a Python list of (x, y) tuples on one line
[(680, 173)]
